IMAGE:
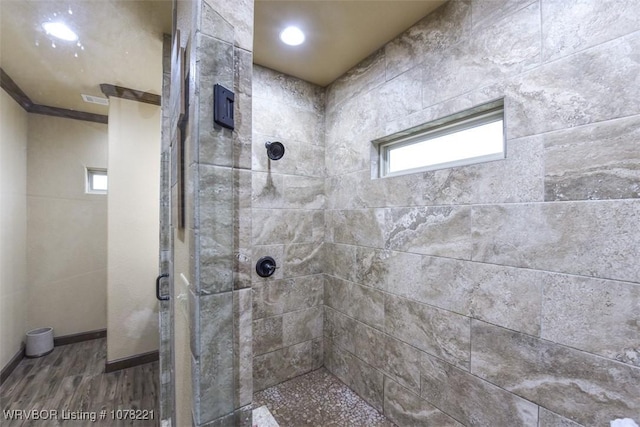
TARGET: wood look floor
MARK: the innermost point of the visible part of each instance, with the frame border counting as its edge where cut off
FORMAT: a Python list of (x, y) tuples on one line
[(71, 381)]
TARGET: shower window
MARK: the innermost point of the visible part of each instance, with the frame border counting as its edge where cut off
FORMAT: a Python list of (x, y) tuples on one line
[(473, 136), (96, 182)]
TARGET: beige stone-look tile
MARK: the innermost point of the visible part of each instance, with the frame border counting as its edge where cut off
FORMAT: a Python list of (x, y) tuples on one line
[(360, 302), (302, 325), (340, 260), (399, 96), (304, 192), (364, 227), (270, 84), (598, 161), (340, 330), (405, 408), (433, 330), (471, 400), (390, 271), (584, 238), (302, 125), (573, 25), (215, 375), (300, 158), (267, 190), (241, 19), (485, 13), (439, 231), (303, 259), (361, 377), (285, 226), (598, 316), (549, 419), (368, 74), (580, 386), (576, 90), (275, 297), (280, 365), (242, 347), (489, 55), (431, 36), (267, 335)]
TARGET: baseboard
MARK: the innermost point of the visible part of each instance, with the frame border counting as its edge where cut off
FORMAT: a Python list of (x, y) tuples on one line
[(13, 363), (131, 361), (82, 336)]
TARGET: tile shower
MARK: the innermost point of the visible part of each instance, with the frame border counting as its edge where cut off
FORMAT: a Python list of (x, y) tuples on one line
[(499, 294), (503, 293)]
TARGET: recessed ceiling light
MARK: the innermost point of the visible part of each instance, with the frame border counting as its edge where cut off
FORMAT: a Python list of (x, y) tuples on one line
[(60, 31), (293, 36)]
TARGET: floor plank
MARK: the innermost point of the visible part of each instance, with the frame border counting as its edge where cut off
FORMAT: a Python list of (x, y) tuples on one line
[(71, 380)]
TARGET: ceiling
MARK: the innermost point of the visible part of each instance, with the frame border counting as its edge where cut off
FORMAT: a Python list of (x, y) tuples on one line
[(121, 42), (339, 33)]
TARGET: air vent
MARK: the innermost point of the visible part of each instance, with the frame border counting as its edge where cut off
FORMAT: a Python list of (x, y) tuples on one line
[(95, 99)]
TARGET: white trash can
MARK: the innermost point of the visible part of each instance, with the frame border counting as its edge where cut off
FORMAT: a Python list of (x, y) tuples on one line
[(39, 342)]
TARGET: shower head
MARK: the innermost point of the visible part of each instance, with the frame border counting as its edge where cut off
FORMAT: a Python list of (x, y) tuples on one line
[(275, 150)]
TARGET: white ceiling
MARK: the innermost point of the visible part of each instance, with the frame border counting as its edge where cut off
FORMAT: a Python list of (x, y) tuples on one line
[(339, 33), (122, 42)]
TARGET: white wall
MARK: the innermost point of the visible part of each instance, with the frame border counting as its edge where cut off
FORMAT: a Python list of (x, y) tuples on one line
[(133, 218), (13, 226), (66, 228)]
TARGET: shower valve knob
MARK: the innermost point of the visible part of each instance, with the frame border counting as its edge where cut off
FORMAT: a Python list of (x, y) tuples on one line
[(266, 266)]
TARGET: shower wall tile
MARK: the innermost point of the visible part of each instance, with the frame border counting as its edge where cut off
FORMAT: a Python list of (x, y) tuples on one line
[(547, 373), (302, 325), (388, 270), (267, 190), (360, 302), (214, 25), (303, 126), (598, 316), (300, 158), (439, 231), (405, 408), (368, 74), (572, 92), (591, 239), (216, 215), (339, 329), (428, 38), (598, 161), (274, 297), (278, 366), (240, 17), (491, 54), (505, 296), (317, 353), (466, 397), (267, 335), (364, 227), (303, 259), (361, 377), (216, 361), (573, 25), (243, 114), (399, 97), (284, 226), (341, 260), (304, 192), (435, 331), (492, 11), (216, 66), (549, 419), (242, 347), (291, 91), (242, 256)]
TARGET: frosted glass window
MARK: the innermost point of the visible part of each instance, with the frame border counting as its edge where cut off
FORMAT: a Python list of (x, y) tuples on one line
[(97, 181), (473, 139)]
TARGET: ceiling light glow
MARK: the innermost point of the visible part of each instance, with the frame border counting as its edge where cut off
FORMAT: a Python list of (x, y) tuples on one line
[(60, 31), (293, 36)]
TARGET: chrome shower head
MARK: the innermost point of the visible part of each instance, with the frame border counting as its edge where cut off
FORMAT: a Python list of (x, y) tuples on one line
[(275, 150)]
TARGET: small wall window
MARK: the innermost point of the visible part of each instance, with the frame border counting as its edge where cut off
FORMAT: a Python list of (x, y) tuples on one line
[(473, 136), (97, 181)]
